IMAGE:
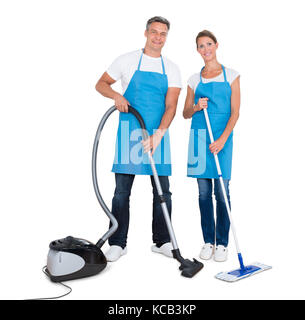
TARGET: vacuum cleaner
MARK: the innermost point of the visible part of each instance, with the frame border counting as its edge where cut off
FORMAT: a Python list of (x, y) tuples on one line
[(73, 258)]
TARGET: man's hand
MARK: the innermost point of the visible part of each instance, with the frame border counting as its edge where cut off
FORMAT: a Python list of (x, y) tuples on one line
[(103, 86), (152, 142), (121, 103)]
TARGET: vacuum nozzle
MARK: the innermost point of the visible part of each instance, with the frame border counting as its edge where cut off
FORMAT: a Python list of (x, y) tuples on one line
[(189, 268)]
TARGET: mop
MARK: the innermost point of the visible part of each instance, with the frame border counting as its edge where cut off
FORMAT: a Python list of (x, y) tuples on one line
[(243, 271)]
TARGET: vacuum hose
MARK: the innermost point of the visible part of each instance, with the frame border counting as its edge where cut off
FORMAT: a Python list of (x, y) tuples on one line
[(114, 223)]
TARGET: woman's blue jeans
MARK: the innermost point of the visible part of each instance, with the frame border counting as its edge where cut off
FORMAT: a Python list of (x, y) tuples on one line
[(120, 209), (212, 232)]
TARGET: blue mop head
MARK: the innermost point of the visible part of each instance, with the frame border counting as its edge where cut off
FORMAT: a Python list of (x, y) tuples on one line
[(242, 273)]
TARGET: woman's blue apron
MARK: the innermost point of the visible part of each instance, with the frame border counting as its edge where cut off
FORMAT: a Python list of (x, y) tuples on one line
[(201, 163), (146, 93)]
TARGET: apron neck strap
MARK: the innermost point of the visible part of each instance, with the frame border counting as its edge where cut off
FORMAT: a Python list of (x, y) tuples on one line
[(139, 65), (201, 73), (163, 68), (224, 73), (140, 59)]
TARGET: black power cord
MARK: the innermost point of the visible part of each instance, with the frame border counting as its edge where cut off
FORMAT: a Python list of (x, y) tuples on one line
[(53, 298)]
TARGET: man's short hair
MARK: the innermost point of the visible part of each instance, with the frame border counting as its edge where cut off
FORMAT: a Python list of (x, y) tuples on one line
[(157, 19)]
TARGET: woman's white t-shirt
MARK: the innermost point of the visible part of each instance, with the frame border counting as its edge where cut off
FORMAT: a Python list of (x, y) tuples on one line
[(194, 80), (125, 66)]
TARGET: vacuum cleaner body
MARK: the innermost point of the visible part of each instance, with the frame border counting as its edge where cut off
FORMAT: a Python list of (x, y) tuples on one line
[(73, 258)]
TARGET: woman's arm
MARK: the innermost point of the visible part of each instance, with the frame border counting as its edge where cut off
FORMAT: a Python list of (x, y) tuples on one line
[(189, 108), (235, 106)]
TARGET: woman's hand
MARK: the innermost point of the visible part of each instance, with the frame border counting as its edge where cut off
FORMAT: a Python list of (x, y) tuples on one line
[(217, 145), (201, 104), (152, 142)]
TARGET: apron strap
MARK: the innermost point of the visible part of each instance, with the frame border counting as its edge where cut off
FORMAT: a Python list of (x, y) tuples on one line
[(162, 64), (201, 73), (224, 73), (140, 60), (139, 65)]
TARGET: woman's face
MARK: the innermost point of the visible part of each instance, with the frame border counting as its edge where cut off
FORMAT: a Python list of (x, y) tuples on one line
[(207, 48)]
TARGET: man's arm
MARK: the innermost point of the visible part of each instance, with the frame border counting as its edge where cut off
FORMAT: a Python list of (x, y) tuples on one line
[(103, 86), (171, 101)]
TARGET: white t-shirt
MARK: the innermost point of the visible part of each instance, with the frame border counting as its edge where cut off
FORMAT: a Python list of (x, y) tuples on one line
[(125, 66), (195, 78)]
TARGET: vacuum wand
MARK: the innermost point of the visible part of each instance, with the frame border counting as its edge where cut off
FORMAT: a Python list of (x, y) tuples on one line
[(188, 268)]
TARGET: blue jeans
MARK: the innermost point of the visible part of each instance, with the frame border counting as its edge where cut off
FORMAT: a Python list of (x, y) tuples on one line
[(207, 211), (120, 209)]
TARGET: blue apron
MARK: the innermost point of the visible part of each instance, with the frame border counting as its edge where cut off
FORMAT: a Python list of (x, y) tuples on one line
[(146, 92), (201, 163)]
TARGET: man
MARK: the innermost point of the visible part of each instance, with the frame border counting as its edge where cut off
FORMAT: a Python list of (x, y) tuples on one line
[(151, 84)]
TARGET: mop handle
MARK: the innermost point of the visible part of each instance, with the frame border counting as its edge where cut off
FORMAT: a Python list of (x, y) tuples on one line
[(221, 181)]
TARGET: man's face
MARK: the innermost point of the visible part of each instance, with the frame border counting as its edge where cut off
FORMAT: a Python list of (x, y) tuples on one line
[(156, 35)]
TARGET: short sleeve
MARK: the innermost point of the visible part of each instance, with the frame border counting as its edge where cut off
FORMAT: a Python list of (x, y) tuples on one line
[(173, 76), (232, 75), (193, 81), (115, 70)]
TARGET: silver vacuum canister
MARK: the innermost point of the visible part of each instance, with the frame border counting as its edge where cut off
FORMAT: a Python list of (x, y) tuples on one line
[(72, 258)]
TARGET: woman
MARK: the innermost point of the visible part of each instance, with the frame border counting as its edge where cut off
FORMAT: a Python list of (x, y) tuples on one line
[(218, 89)]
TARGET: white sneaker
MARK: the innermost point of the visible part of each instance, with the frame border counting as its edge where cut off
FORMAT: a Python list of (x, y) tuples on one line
[(114, 253), (165, 249), (207, 251), (221, 253)]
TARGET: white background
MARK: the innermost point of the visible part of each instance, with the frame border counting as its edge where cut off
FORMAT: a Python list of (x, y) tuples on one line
[(53, 53)]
